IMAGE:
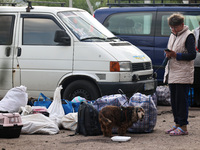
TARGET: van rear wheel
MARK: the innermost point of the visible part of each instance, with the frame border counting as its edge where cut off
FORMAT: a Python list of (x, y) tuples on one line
[(81, 88)]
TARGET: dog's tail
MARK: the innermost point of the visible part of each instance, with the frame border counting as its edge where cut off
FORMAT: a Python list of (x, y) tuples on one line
[(104, 120)]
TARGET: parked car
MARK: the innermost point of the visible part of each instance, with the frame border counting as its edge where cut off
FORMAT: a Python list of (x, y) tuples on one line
[(44, 47)]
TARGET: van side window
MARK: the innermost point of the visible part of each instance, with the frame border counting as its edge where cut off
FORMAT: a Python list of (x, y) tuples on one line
[(191, 19), (6, 29), (39, 31), (165, 30), (134, 23)]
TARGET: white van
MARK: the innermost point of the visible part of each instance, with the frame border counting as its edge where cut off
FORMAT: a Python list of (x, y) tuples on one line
[(44, 47)]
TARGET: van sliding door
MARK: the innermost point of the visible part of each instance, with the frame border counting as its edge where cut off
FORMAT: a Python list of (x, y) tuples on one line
[(7, 22)]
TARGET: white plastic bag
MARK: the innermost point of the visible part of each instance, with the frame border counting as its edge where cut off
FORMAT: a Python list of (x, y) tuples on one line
[(14, 99), (27, 110), (56, 111), (70, 121), (38, 123), (120, 138)]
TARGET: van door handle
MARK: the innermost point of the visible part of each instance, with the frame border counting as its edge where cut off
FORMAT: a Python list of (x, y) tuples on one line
[(19, 51), (7, 51)]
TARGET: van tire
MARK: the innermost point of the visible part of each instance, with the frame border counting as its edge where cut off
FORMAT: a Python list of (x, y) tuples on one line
[(81, 88)]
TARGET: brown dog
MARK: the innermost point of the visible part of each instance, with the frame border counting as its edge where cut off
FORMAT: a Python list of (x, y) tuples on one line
[(121, 117)]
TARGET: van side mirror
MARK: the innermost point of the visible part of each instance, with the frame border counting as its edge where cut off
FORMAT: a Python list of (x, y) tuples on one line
[(62, 38)]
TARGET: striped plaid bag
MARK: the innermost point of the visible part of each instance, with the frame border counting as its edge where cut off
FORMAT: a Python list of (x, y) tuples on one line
[(114, 100), (163, 95), (149, 121)]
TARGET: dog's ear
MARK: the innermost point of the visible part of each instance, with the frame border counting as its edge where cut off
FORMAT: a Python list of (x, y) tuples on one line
[(138, 109)]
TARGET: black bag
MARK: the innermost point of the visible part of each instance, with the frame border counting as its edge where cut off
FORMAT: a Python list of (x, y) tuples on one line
[(88, 120)]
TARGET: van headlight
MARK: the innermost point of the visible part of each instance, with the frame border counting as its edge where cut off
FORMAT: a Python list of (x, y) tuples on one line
[(122, 66)]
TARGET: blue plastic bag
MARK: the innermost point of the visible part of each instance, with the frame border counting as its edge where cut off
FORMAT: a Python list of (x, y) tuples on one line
[(76, 106), (44, 102), (67, 106)]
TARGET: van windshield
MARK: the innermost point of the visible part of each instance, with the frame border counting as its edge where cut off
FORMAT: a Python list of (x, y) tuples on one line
[(85, 27)]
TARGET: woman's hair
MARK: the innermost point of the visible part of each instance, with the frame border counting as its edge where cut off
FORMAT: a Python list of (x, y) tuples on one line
[(176, 19)]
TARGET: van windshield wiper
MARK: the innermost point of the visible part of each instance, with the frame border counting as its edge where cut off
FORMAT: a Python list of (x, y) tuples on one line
[(110, 38), (89, 38)]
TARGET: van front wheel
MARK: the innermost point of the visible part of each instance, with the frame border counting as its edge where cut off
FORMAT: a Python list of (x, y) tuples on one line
[(81, 88)]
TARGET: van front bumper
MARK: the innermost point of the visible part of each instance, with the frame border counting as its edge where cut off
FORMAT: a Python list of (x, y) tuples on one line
[(129, 88)]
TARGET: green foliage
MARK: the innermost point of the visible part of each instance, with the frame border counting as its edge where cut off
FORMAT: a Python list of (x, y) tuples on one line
[(168, 1), (142, 1), (95, 3)]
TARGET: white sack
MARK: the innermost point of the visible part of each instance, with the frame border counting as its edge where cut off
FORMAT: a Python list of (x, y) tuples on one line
[(56, 111), (27, 110), (14, 99), (38, 123), (70, 121)]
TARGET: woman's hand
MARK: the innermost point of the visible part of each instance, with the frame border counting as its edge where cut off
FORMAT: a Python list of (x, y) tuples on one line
[(170, 54)]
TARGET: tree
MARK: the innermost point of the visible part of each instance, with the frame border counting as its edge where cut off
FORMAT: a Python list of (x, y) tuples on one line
[(95, 3)]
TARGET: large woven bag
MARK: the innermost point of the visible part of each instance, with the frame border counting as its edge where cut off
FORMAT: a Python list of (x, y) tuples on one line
[(149, 121)]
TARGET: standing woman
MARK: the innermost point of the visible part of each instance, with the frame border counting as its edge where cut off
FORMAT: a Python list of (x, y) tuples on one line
[(179, 71)]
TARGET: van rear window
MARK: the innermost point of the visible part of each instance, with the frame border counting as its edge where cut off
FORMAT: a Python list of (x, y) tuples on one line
[(6, 29), (133, 23)]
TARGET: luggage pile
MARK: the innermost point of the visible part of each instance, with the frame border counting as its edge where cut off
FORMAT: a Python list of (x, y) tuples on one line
[(148, 103), (46, 116)]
